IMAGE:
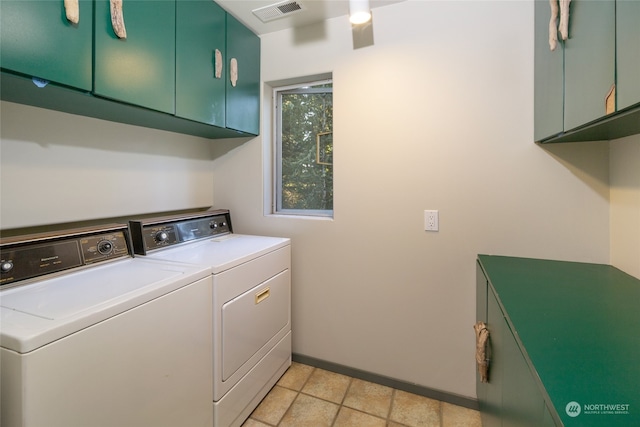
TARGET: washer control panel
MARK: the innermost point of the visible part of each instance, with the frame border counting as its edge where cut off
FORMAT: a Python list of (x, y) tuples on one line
[(24, 258), (158, 233)]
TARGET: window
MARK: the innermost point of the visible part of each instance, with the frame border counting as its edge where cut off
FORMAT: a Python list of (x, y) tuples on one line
[(304, 149)]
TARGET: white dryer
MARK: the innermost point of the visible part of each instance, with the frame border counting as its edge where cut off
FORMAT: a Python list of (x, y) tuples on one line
[(90, 336), (251, 302)]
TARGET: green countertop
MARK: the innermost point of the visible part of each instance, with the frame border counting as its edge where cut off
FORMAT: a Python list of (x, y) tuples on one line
[(578, 326)]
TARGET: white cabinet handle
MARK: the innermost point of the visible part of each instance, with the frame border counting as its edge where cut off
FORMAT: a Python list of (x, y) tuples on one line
[(553, 22), (233, 71), (553, 25), (218, 64), (72, 11), (482, 336), (564, 19), (117, 18)]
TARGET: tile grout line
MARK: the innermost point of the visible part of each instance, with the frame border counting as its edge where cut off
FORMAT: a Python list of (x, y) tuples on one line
[(341, 404), (389, 411), (298, 392)]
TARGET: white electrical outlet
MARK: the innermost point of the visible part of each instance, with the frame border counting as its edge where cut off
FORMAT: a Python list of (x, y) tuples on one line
[(430, 220)]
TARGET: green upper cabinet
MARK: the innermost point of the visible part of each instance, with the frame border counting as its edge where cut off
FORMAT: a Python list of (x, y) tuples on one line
[(38, 41), (200, 32), (588, 88), (590, 56), (209, 43), (243, 94), (628, 52), (172, 71), (140, 69), (549, 84)]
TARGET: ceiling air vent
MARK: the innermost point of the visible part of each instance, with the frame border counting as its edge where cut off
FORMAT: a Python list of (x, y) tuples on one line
[(278, 10)]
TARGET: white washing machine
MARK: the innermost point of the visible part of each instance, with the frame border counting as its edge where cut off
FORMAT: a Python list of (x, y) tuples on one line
[(251, 302), (90, 336)]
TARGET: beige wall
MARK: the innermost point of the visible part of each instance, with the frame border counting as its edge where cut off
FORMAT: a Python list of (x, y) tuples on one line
[(625, 204), (437, 114), (57, 167)]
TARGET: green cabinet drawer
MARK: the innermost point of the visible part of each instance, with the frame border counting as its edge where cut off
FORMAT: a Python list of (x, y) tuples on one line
[(549, 84), (243, 99), (200, 31), (589, 61), (140, 69), (628, 52), (37, 40)]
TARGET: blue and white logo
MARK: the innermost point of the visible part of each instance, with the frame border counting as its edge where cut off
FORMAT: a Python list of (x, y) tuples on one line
[(573, 409)]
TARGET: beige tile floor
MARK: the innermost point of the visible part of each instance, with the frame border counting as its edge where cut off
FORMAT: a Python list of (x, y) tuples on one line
[(312, 397)]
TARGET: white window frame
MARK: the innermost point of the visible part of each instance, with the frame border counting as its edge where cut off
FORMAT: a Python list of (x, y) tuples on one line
[(276, 202)]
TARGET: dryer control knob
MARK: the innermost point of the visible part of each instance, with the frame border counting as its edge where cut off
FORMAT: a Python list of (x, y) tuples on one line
[(161, 236), (105, 247), (213, 225), (6, 266)]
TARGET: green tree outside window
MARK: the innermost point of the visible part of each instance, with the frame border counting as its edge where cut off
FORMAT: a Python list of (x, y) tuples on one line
[(305, 149)]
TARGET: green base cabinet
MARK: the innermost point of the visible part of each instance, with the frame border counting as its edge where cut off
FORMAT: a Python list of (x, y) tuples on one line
[(511, 396), (522, 402), (490, 393), (58, 51), (243, 99), (563, 343), (628, 52), (140, 69)]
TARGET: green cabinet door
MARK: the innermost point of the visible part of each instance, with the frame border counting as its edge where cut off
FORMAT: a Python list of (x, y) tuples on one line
[(547, 419), (38, 41), (628, 52), (140, 69), (522, 402), (200, 31), (589, 61), (243, 98), (549, 73), (481, 294), (490, 393)]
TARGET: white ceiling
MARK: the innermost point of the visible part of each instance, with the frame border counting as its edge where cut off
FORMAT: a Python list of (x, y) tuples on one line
[(314, 11)]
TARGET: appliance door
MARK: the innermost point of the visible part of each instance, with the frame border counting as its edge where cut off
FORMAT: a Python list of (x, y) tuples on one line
[(40, 313), (252, 319), (252, 313), (147, 366), (222, 253)]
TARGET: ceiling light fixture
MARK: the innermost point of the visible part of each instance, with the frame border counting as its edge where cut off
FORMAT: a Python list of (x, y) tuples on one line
[(359, 11)]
